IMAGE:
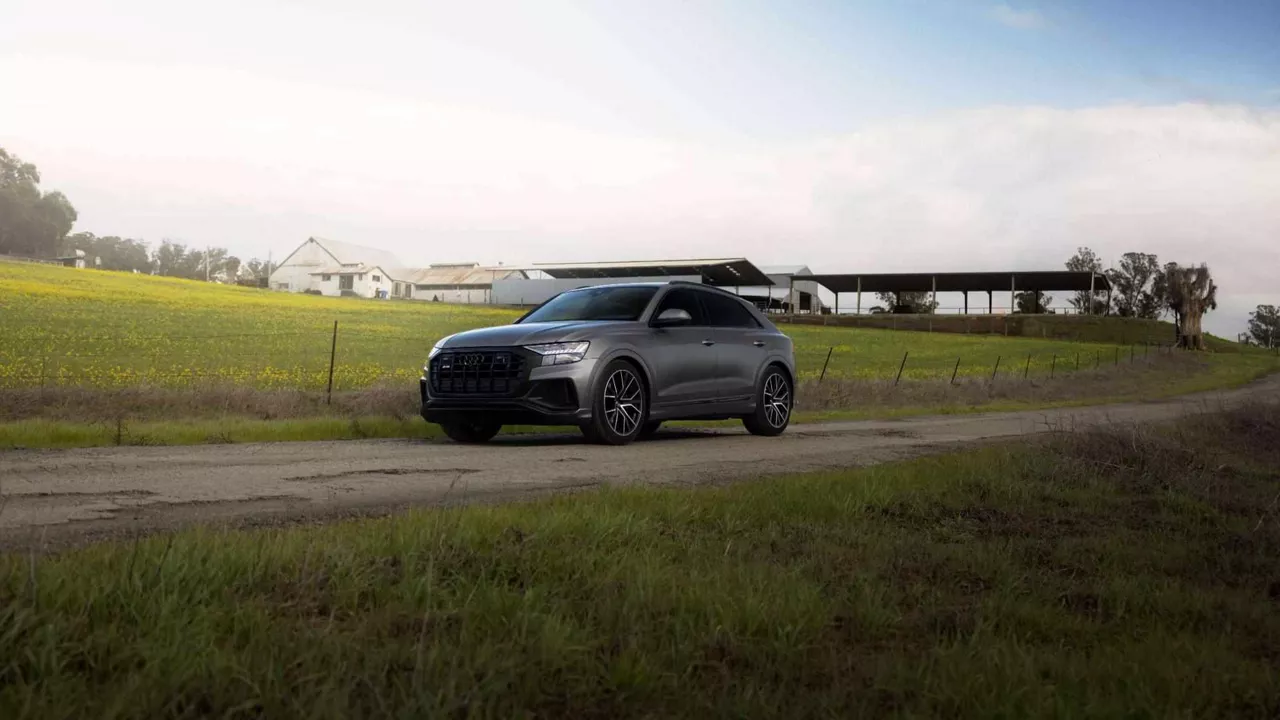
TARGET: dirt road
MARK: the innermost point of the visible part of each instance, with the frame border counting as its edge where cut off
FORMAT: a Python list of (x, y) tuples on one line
[(56, 498)]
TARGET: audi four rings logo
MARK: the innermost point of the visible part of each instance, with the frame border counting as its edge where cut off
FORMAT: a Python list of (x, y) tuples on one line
[(470, 360)]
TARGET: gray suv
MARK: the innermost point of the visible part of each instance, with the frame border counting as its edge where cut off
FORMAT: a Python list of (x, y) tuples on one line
[(616, 361)]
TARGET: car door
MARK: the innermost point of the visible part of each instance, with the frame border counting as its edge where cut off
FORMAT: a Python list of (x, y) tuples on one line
[(682, 359), (741, 344)]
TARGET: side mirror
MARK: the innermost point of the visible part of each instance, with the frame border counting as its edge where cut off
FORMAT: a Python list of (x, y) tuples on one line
[(672, 317)]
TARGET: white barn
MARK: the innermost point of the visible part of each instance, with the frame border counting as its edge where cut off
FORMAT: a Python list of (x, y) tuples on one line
[(329, 267)]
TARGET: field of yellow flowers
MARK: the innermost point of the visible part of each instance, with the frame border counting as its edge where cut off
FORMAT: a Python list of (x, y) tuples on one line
[(66, 327)]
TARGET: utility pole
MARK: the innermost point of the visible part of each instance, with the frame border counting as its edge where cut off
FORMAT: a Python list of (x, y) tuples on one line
[(206, 263)]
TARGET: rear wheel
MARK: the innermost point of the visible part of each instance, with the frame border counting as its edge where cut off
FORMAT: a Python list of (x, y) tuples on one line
[(618, 406), (471, 431), (774, 398)]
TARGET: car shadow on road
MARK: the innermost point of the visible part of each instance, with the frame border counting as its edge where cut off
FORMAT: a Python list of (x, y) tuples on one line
[(550, 439)]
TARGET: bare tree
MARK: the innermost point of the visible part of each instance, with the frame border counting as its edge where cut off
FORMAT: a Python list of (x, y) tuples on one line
[(1190, 293)]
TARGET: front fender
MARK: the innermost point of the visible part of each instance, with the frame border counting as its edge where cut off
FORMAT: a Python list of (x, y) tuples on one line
[(624, 353)]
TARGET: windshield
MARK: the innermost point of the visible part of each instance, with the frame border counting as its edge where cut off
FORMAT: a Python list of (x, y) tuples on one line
[(598, 303)]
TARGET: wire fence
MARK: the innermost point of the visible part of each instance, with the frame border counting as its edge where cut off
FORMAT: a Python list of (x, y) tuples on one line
[(340, 359)]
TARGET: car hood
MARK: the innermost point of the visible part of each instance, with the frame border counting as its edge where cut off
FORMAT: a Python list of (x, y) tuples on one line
[(525, 334)]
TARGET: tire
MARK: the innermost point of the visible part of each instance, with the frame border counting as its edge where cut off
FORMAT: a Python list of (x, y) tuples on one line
[(650, 428), (619, 405), (775, 396), (471, 431)]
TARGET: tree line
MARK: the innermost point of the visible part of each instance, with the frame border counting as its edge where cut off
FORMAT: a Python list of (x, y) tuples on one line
[(37, 224), (1141, 287)]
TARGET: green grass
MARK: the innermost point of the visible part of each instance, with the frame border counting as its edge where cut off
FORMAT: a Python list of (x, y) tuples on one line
[(819, 402), (61, 326), (1124, 574)]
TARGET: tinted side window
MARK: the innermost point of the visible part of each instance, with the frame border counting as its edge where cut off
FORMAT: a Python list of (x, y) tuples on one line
[(724, 311), (686, 300)]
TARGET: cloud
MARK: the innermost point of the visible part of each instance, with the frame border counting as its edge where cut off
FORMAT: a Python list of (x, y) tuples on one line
[(258, 165), (1020, 19)]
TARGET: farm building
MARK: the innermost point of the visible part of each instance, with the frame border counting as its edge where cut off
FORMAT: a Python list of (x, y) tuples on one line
[(788, 293), (329, 267), (468, 283), (371, 281), (336, 268)]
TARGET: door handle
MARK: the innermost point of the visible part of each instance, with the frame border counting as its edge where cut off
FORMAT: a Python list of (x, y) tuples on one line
[(708, 343), (758, 343)]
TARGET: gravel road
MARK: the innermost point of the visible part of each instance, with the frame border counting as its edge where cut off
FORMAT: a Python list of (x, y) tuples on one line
[(51, 499)]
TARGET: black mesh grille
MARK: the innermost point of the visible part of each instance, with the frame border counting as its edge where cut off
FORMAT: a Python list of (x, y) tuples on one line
[(478, 372)]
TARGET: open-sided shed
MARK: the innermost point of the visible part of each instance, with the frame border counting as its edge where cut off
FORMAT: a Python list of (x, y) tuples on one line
[(962, 282)]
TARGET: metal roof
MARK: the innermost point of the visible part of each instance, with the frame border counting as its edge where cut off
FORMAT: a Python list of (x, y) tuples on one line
[(1043, 281), (725, 272), (460, 274), (786, 270), (350, 270), (351, 254)]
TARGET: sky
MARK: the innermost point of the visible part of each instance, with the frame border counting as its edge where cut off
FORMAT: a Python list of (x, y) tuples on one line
[(851, 136)]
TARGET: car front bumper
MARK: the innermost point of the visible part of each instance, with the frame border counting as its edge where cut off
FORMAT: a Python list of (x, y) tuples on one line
[(554, 395)]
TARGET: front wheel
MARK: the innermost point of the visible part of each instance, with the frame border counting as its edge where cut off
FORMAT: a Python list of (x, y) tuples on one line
[(618, 406), (774, 397), (471, 431)]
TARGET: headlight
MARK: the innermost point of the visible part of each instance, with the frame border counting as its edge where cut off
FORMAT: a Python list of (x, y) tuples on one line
[(560, 353), (435, 349)]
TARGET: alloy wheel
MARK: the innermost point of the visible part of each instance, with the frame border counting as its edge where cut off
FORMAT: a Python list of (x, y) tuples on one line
[(777, 400), (623, 402)]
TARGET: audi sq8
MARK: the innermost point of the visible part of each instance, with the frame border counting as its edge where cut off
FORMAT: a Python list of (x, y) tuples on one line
[(616, 361)]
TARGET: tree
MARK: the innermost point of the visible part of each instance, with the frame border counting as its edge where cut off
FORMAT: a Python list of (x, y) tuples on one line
[(230, 269), (254, 270), (114, 253), (1030, 303), (912, 303), (1086, 260), (1190, 293), (1132, 286), (32, 223), (1264, 326), (174, 260)]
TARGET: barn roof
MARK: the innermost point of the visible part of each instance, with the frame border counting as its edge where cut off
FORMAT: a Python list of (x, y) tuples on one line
[(459, 274)]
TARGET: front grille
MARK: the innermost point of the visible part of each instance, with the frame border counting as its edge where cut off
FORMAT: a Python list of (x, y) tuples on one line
[(477, 372)]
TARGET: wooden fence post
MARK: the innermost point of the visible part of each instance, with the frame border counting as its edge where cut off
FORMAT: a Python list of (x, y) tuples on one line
[(333, 353)]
